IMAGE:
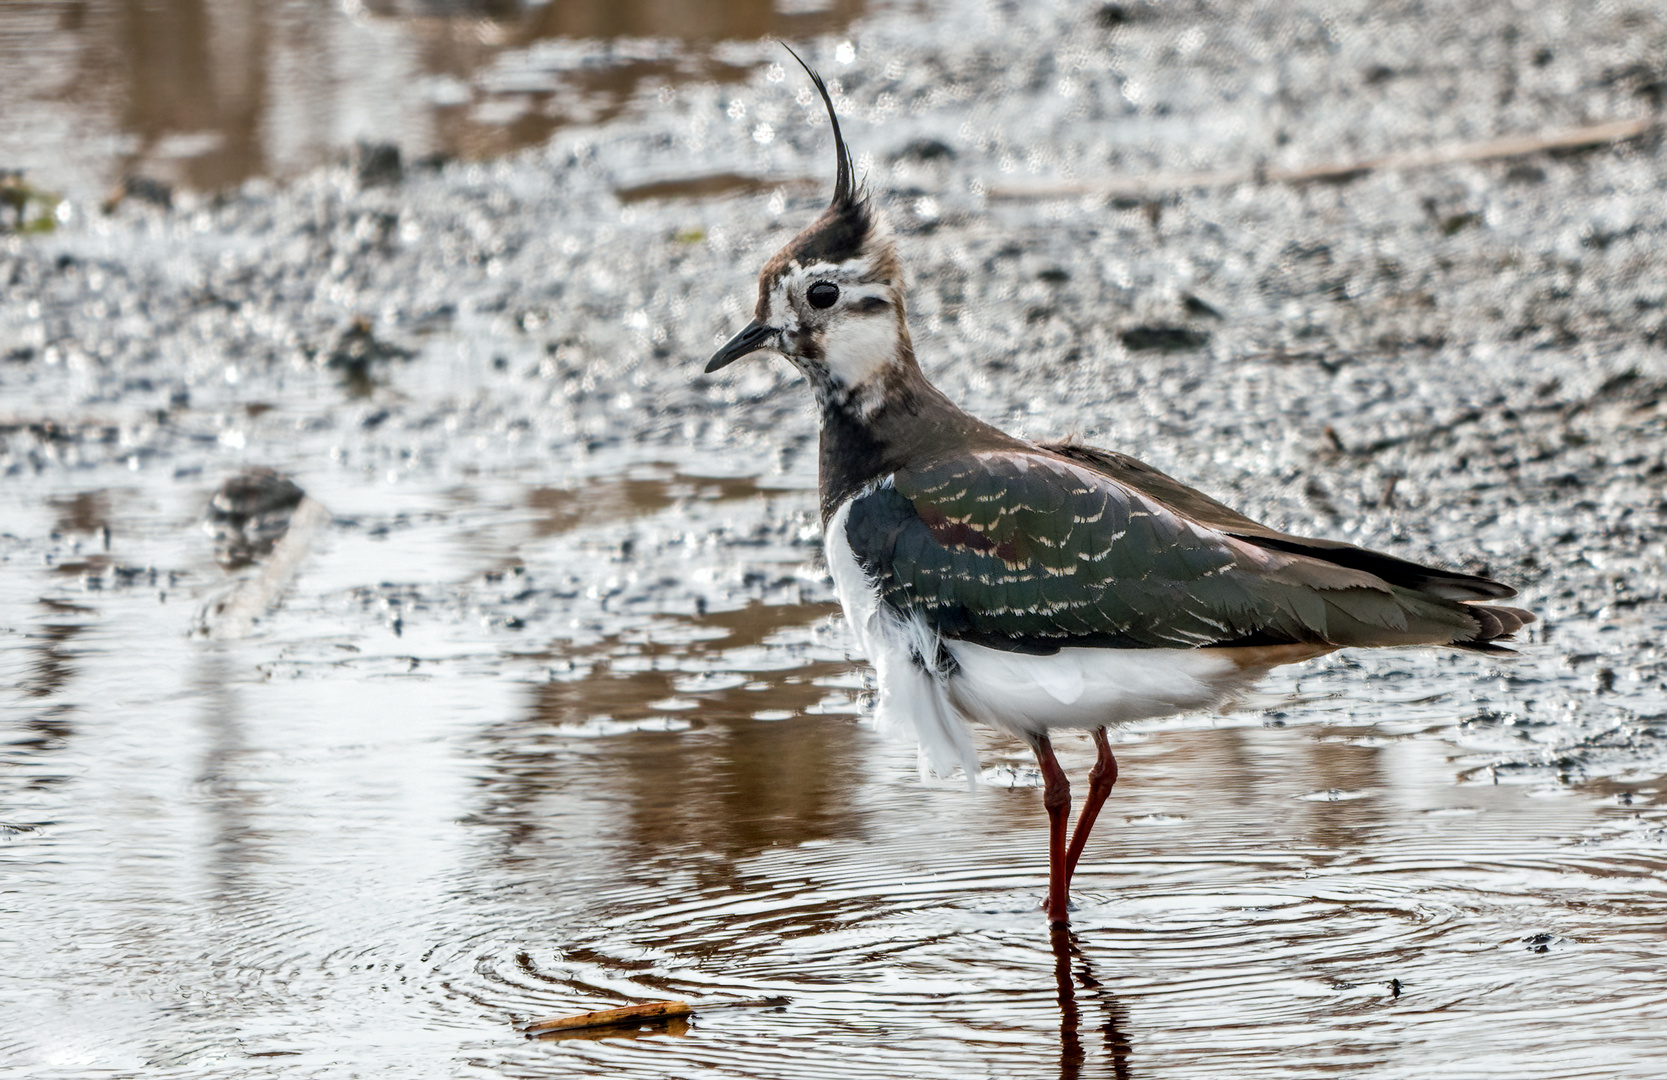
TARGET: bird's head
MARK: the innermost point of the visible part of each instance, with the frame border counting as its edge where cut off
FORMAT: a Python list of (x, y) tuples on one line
[(831, 300)]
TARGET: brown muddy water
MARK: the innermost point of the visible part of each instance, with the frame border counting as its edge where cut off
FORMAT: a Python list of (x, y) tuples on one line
[(537, 700)]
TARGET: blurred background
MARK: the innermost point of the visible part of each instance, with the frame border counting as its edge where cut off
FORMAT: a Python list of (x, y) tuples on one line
[(400, 639), (206, 94)]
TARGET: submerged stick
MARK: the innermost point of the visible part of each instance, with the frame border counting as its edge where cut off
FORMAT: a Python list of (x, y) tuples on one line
[(1486, 150), (630, 1014), (652, 1012)]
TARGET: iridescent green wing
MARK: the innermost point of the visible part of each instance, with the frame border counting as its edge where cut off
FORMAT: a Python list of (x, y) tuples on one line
[(1031, 551), (1194, 504)]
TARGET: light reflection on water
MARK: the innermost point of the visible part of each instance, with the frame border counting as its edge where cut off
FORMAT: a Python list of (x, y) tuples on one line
[(332, 845), (208, 93)]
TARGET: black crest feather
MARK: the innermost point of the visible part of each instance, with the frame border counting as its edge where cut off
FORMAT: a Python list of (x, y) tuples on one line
[(845, 189), (839, 234)]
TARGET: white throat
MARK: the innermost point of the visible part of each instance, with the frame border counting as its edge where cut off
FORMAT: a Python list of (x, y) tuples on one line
[(858, 352)]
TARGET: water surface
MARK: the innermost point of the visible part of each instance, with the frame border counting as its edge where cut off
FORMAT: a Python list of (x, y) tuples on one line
[(342, 843), (206, 94)]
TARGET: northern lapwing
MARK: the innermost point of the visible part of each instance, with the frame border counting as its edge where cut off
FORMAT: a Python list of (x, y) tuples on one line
[(1034, 586)]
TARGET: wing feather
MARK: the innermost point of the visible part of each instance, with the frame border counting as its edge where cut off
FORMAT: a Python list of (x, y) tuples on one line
[(1034, 551), (1447, 584)]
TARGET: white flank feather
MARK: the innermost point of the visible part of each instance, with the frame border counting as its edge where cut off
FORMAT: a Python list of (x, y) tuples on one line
[(912, 700)]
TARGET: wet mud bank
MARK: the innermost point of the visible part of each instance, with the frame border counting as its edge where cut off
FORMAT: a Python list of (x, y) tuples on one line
[(549, 708)]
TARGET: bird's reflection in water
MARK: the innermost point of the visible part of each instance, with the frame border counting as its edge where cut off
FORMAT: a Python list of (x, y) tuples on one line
[(1072, 1056)]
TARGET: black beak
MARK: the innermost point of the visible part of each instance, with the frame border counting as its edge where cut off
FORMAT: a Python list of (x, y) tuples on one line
[(756, 336)]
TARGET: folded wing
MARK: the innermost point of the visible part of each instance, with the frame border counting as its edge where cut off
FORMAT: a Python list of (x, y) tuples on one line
[(1036, 550)]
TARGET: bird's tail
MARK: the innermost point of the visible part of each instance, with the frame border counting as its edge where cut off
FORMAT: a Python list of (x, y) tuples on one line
[(1494, 622)]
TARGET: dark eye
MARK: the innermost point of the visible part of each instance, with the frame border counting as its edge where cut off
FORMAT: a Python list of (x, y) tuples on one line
[(822, 294)]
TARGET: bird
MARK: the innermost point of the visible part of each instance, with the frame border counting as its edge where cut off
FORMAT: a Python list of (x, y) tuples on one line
[(1033, 587)]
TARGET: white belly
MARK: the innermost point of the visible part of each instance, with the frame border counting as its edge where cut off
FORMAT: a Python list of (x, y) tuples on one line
[(1086, 688), (1023, 694)]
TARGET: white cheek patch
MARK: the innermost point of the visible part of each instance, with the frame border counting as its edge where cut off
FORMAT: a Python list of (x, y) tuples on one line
[(857, 348)]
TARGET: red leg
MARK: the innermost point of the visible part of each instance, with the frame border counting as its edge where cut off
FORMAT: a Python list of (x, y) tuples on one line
[(1056, 796), (1100, 780)]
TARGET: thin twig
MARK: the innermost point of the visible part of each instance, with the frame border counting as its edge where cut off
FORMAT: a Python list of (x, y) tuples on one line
[(1487, 150), (630, 1014), (652, 1012)]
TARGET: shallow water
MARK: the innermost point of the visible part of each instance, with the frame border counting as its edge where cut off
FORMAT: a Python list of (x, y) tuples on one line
[(330, 846)]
